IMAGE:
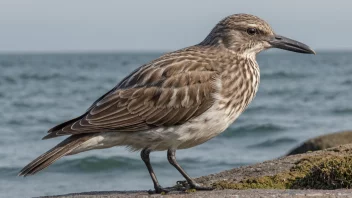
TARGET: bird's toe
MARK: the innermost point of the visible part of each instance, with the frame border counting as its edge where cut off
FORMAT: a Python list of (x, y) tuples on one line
[(159, 190), (193, 185)]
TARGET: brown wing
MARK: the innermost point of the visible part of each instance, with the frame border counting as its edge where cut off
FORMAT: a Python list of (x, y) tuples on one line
[(168, 91)]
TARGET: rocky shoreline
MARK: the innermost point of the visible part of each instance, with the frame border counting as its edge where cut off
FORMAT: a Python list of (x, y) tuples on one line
[(326, 173), (251, 193)]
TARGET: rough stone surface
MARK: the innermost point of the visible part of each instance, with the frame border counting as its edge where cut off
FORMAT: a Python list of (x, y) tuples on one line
[(324, 142), (268, 168), (223, 193), (273, 167)]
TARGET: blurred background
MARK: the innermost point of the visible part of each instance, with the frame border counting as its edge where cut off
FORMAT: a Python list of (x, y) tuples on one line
[(57, 57)]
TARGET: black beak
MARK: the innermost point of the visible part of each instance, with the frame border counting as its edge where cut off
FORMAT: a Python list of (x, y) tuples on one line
[(282, 42)]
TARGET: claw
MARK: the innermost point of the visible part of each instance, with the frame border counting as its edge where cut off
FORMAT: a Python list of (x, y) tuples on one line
[(193, 185), (199, 187)]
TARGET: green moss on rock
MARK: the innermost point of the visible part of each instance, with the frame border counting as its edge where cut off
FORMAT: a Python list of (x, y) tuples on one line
[(332, 173), (329, 172)]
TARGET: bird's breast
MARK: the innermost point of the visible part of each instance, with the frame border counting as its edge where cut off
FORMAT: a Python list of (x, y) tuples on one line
[(239, 85)]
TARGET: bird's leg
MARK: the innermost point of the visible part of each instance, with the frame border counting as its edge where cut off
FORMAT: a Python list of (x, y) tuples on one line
[(145, 157), (172, 159)]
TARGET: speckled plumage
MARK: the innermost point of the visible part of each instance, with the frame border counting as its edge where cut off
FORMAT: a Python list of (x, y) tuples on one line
[(164, 103), (180, 100)]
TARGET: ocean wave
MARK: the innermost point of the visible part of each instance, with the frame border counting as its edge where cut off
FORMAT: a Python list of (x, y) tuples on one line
[(283, 75), (96, 164), (5, 63), (273, 143), (194, 162), (88, 65), (79, 78), (45, 77), (342, 111), (252, 129), (278, 92), (9, 171), (31, 103), (256, 109), (7, 80), (347, 82), (40, 77), (84, 165)]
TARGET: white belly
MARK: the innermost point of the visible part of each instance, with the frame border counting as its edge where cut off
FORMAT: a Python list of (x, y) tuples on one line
[(192, 133)]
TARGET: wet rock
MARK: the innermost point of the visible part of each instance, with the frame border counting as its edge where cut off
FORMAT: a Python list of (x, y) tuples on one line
[(324, 142)]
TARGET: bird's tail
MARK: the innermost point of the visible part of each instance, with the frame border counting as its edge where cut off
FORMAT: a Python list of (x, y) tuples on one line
[(60, 150)]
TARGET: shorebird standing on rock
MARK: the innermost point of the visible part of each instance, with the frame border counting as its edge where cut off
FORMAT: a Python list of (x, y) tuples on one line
[(178, 101)]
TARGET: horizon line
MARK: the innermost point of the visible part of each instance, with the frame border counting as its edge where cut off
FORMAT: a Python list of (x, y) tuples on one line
[(39, 52)]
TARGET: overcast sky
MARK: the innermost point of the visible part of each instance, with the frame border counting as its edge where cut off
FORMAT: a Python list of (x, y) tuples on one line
[(160, 25)]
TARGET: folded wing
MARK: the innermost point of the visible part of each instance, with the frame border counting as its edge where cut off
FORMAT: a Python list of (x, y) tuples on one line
[(165, 93)]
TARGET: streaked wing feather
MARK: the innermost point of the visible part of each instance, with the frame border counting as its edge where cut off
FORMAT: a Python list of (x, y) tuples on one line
[(157, 116), (163, 93)]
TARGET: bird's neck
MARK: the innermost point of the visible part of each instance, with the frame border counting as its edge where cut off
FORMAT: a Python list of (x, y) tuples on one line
[(239, 84), (242, 62)]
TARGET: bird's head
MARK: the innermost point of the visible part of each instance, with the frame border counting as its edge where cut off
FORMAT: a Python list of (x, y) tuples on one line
[(248, 35)]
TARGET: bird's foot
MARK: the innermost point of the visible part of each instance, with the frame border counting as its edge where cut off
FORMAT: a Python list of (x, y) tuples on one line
[(181, 186), (189, 186), (161, 190), (199, 187)]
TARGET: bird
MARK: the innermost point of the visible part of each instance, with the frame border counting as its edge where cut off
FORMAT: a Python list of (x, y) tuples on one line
[(177, 101)]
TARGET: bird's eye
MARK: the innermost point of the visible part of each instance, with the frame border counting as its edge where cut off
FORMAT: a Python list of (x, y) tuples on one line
[(251, 31)]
